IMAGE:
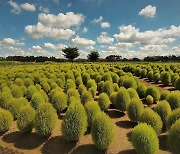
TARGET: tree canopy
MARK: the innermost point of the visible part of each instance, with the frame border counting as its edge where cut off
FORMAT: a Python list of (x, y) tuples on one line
[(71, 53), (93, 56)]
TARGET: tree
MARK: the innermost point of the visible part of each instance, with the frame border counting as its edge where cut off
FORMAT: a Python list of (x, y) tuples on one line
[(93, 56), (71, 53)]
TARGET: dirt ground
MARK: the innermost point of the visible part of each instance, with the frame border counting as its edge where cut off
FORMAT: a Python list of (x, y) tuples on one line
[(14, 142)]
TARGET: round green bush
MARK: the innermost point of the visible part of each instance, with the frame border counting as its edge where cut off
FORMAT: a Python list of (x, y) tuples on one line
[(174, 99), (85, 78), (104, 101), (150, 75), (86, 96), (25, 119), (108, 88), (91, 83), (59, 101), (19, 82), (4, 99), (177, 83), (164, 95), (143, 73), (100, 86), (78, 81), (113, 97), (72, 92), (174, 138), (149, 100), (133, 93), (122, 99), (151, 118), (81, 89), (60, 83), (145, 139), (98, 78), (166, 78), (102, 131), (46, 87), (134, 109), (130, 82), (141, 89), (6, 120), (121, 80), (107, 77), (74, 123), (31, 91), (115, 78), (163, 109), (53, 92), (93, 91), (45, 119), (175, 115), (154, 92), (115, 87), (37, 99), (28, 82), (70, 84), (92, 108), (16, 91), (156, 77)]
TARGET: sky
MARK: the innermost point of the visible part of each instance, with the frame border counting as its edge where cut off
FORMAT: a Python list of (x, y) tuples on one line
[(130, 28)]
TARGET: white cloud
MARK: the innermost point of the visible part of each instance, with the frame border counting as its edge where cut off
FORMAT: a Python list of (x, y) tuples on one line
[(10, 41), (148, 11), (44, 9), (105, 25), (69, 5), (28, 7), (99, 20), (61, 20), (16, 9), (37, 50), (104, 38), (85, 30), (54, 47)]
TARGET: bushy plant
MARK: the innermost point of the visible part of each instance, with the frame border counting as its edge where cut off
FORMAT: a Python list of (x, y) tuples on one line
[(156, 77), (115, 87), (36, 100), (45, 119), (122, 99), (4, 99), (177, 83), (145, 139), (174, 99), (46, 87), (164, 95), (134, 109), (113, 97), (60, 83), (166, 78), (93, 91), (132, 93), (28, 82), (100, 86), (175, 115), (141, 89), (130, 82), (151, 118), (78, 81), (174, 138), (107, 77), (86, 96), (72, 92), (154, 92), (104, 101), (121, 80), (150, 75), (81, 89), (85, 78), (19, 82), (143, 73), (31, 91), (102, 131), (108, 88), (6, 120), (91, 83), (70, 84), (149, 100), (25, 119), (74, 123), (163, 109)]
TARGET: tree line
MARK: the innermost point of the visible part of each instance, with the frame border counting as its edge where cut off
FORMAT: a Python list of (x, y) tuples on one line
[(72, 53)]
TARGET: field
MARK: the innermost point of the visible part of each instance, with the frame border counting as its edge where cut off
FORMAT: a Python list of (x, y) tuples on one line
[(90, 108)]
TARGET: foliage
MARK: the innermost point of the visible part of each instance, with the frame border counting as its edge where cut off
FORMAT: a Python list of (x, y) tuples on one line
[(174, 99), (103, 101), (70, 53), (93, 56)]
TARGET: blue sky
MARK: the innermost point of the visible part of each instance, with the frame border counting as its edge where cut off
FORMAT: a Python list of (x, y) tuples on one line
[(137, 28)]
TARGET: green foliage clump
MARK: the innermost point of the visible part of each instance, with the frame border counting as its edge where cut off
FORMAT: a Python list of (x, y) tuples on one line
[(78, 81), (164, 95), (143, 73), (130, 82), (154, 92), (74, 123), (134, 109), (166, 78), (174, 99), (70, 84), (19, 82), (73, 92), (16, 91), (108, 88), (151, 118), (46, 87), (150, 75), (81, 89), (149, 100), (60, 83), (113, 97), (45, 119), (104, 101), (85, 78), (156, 77), (145, 139), (175, 115), (122, 99), (25, 119), (133, 93), (91, 83), (86, 96), (31, 91), (101, 86), (37, 99), (28, 82), (177, 83), (6, 120), (4, 99), (107, 77), (141, 89), (174, 138), (102, 131)]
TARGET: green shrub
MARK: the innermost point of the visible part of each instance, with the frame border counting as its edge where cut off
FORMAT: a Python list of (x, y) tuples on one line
[(6, 120), (113, 97), (145, 139), (104, 101), (177, 83), (130, 82), (70, 84), (108, 88), (86, 96), (132, 93), (134, 109), (60, 83), (174, 138), (100, 86), (151, 118), (93, 91), (121, 80), (122, 99), (46, 87), (91, 83), (175, 115), (174, 99), (166, 78), (107, 77), (36, 100), (74, 123), (150, 75), (115, 78), (163, 109), (59, 101), (102, 131), (154, 92), (115, 87), (85, 78), (19, 82), (141, 89), (156, 77), (149, 100), (81, 89), (143, 73), (25, 119), (28, 82), (4, 99), (98, 78), (164, 95), (45, 119), (92, 108), (72, 92), (31, 91), (78, 81)]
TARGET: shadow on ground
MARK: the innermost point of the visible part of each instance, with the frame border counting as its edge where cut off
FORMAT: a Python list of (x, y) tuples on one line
[(130, 151), (115, 114), (126, 124)]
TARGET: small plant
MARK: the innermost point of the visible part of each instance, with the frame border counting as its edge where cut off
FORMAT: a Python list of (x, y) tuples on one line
[(132, 93), (177, 83), (100, 86), (4, 99), (70, 84), (85, 78), (78, 81), (81, 89), (164, 95), (16, 91), (91, 83), (175, 115), (31, 91), (113, 97), (86, 96), (174, 99), (102, 131), (166, 78), (145, 139), (28, 82), (103, 101), (143, 73), (150, 75), (108, 88), (141, 89), (156, 77), (130, 82), (154, 92), (72, 92), (36, 100), (149, 100)]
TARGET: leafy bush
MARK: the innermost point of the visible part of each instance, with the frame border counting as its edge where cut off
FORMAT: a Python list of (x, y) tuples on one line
[(25, 119), (70, 84), (72, 92), (150, 75), (53, 92), (174, 99), (4, 99), (46, 87), (81, 89), (108, 88), (86, 96), (115, 87), (143, 73), (154, 92), (28, 82), (60, 83), (103, 101), (100, 86), (102, 131), (91, 83), (78, 81), (121, 80), (85, 78), (6, 120), (31, 91), (107, 77), (74, 123), (122, 99), (175, 115), (151, 118), (36, 100), (19, 82), (141, 89), (177, 83), (130, 83), (45, 119), (166, 78), (145, 139), (164, 95), (134, 109), (174, 138), (113, 97), (149, 100), (156, 77), (93, 91), (132, 93)]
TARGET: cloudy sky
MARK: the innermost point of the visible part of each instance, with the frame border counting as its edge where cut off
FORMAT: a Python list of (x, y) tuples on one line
[(130, 28)]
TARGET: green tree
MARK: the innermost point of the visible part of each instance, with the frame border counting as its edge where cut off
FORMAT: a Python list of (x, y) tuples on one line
[(93, 56), (71, 53)]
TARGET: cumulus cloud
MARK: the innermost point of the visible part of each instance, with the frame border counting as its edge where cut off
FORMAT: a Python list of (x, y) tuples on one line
[(44, 9), (105, 25), (37, 50), (16, 8), (28, 7), (11, 42), (85, 30), (148, 11), (104, 38), (54, 47), (97, 20)]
